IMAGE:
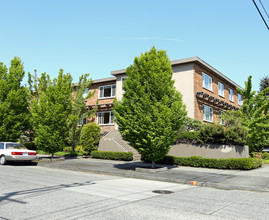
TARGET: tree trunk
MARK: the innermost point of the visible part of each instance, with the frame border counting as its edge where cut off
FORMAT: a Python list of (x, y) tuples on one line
[(52, 155), (153, 165)]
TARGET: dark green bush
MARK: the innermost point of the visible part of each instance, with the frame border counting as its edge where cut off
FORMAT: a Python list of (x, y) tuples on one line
[(231, 163), (214, 134), (191, 124), (188, 137), (110, 155), (30, 145), (89, 137), (265, 155)]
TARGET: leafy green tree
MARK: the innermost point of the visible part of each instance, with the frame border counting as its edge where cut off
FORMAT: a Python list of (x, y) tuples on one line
[(56, 108), (151, 110), (264, 83), (89, 138), (253, 115), (14, 113), (50, 108), (79, 110)]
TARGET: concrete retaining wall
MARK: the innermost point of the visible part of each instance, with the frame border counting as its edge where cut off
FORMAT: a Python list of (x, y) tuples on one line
[(209, 151)]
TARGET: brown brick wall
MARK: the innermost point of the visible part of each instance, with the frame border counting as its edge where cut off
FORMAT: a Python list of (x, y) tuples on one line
[(198, 87), (93, 100)]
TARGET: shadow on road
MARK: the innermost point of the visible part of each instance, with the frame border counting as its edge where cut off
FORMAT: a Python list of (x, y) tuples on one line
[(7, 197)]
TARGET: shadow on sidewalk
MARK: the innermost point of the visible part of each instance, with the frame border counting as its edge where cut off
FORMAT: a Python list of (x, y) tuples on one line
[(134, 165)]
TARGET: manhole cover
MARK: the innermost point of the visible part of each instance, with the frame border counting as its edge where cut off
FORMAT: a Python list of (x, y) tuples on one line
[(163, 191)]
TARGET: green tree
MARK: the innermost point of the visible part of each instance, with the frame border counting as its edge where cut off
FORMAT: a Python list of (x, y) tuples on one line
[(56, 107), (14, 113), (253, 115), (79, 109), (89, 138), (264, 83), (151, 110), (50, 108)]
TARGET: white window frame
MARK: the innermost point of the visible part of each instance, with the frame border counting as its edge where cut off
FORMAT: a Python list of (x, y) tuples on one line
[(221, 89), (122, 80), (82, 121), (240, 99), (85, 93), (102, 88), (111, 120), (221, 121), (210, 109), (207, 78), (231, 95)]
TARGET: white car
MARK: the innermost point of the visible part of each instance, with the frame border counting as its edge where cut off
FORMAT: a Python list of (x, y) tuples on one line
[(10, 151)]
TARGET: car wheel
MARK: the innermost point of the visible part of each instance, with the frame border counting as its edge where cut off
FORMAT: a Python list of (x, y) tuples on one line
[(3, 160)]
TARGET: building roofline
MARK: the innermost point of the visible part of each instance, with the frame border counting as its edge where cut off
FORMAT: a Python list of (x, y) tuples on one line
[(189, 60), (101, 80)]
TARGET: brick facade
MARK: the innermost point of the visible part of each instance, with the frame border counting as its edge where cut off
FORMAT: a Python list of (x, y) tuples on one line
[(198, 87), (104, 104)]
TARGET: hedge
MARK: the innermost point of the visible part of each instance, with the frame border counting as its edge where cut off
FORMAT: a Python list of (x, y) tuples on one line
[(231, 163), (110, 155)]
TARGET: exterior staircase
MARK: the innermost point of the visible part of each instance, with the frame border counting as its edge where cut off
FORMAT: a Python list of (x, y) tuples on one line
[(112, 141)]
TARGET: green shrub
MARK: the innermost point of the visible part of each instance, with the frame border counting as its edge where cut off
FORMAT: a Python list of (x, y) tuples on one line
[(236, 135), (110, 155), (89, 137), (188, 137), (79, 149), (265, 155), (191, 124), (30, 145), (215, 134), (231, 163), (67, 149)]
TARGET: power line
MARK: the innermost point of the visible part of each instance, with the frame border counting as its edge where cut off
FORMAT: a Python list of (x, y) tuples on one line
[(260, 14), (264, 8)]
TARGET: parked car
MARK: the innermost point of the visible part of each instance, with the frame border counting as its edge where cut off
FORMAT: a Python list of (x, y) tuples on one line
[(10, 151)]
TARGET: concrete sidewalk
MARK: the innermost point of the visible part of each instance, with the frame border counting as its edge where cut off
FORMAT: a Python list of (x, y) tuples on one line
[(252, 180)]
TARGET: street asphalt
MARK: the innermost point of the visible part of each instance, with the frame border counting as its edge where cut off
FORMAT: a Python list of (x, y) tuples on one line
[(252, 180)]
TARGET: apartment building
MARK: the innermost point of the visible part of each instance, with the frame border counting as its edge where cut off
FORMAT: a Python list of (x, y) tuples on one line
[(206, 92)]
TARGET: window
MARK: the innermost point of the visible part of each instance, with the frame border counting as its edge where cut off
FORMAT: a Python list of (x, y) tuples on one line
[(85, 93), (221, 89), (207, 81), (207, 113), (105, 118), (82, 121), (122, 80), (231, 95), (240, 99), (2, 146), (221, 121), (107, 91)]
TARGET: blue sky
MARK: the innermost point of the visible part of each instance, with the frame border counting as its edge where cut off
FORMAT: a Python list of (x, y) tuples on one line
[(97, 37)]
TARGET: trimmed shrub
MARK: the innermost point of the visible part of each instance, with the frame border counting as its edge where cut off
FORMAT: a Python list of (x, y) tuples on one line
[(214, 134), (231, 163), (89, 137), (193, 124), (110, 155), (30, 145), (188, 137), (67, 149), (79, 149), (265, 155)]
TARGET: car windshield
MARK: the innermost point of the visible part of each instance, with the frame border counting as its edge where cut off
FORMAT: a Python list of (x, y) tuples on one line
[(15, 146)]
